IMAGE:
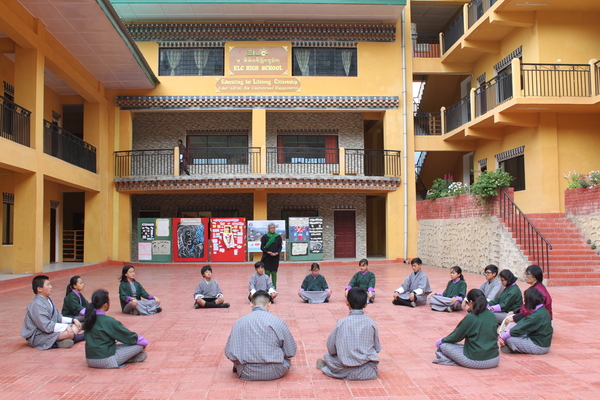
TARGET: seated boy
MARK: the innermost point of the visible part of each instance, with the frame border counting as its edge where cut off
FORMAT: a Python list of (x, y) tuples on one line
[(353, 344), (414, 289), (492, 286), (364, 279), (260, 281), (44, 327), (208, 293)]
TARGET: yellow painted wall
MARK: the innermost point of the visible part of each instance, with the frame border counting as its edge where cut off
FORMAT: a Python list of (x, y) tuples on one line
[(7, 185), (571, 37)]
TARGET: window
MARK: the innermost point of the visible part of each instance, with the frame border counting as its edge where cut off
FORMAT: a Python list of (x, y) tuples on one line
[(208, 61), (516, 168), (218, 149), (307, 149), (8, 218), (326, 61)]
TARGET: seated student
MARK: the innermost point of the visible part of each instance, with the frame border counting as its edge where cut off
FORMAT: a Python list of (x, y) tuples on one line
[(535, 277), (415, 289), (455, 292), (364, 279), (533, 333), (74, 303), (478, 329), (101, 332), (314, 287), (260, 344), (260, 281), (208, 293), (134, 299), (353, 344), (492, 286), (44, 327), (510, 299)]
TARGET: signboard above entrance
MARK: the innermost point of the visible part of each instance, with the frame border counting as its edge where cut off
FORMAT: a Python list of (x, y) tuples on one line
[(265, 60)]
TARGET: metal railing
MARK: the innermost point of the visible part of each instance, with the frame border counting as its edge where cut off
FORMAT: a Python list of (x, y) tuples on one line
[(597, 72), (477, 8), (527, 235), (493, 93), (14, 122), (144, 162), (368, 162), (428, 123), (61, 144), (454, 32), (302, 160), (426, 45), (556, 80), (224, 160), (458, 114)]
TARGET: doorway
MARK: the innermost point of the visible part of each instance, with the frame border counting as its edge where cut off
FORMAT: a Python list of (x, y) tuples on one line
[(344, 222)]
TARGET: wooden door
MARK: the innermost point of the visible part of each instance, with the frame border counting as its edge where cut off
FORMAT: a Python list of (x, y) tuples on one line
[(345, 233)]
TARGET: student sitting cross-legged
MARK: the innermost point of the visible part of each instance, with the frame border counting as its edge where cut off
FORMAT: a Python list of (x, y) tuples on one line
[(208, 292)]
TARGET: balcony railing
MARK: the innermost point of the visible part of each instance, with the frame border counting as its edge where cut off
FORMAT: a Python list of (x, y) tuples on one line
[(597, 72), (426, 46), (367, 162), (458, 114), (493, 93), (454, 32), (63, 145), (556, 80), (144, 162), (302, 160), (428, 123), (477, 8), (224, 160), (14, 122)]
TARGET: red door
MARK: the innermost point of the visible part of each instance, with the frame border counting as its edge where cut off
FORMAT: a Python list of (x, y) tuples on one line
[(345, 234)]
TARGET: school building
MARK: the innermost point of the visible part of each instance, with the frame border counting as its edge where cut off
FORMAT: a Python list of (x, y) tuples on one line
[(286, 108)]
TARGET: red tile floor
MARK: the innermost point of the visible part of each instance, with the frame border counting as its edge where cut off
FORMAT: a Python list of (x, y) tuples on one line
[(186, 361)]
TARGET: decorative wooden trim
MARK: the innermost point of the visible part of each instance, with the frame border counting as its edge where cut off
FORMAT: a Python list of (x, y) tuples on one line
[(325, 44), (190, 44), (8, 198), (308, 131), (518, 53), (507, 155), (217, 132)]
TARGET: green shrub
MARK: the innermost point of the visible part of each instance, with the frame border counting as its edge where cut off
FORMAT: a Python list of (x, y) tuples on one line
[(486, 185)]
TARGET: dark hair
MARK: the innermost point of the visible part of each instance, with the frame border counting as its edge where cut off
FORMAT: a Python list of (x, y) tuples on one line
[(204, 269), (38, 282), (458, 270), (535, 271), (99, 298), (364, 261), (357, 298), (72, 283), (478, 299), (492, 268), (508, 277), (533, 298), (260, 298), (124, 271), (259, 264), (315, 266), (416, 261)]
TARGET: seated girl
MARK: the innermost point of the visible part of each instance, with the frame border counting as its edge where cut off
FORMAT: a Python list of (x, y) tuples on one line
[(478, 329), (74, 303), (532, 334), (134, 299), (101, 332), (455, 292), (510, 299), (314, 288), (535, 277)]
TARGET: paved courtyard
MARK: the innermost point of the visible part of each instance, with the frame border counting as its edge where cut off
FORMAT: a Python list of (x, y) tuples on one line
[(186, 360)]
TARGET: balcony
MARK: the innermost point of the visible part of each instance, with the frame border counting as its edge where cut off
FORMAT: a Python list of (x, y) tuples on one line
[(476, 9), (458, 114), (14, 122), (428, 123), (67, 147), (426, 46), (492, 93)]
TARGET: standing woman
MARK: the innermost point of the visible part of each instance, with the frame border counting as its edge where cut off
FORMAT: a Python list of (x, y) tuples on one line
[(478, 329), (101, 332), (134, 299), (456, 291), (510, 299), (74, 303), (271, 244)]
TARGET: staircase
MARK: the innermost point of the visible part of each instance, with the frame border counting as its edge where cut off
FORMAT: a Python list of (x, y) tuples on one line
[(572, 261)]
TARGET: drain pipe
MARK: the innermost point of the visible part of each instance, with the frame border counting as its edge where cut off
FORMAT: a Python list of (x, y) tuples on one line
[(404, 136)]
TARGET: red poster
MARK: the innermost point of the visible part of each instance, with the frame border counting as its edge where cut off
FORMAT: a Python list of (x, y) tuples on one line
[(228, 239), (190, 239)]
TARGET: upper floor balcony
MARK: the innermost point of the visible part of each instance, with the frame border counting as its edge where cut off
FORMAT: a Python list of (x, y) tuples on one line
[(63, 145), (14, 122), (306, 168)]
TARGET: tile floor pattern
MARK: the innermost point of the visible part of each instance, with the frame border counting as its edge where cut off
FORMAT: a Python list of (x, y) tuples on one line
[(186, 361)]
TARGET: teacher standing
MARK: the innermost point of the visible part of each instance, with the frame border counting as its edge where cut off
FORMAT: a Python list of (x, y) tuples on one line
[(270, 244)]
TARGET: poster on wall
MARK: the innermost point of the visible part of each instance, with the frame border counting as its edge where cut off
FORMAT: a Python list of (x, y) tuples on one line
[(228, 239), (256, 229), (306, 238), (190, 239), (154, 239)]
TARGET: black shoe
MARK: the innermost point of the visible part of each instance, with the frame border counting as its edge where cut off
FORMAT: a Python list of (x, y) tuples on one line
[(196, 305), (78, 338), (158, 309), (224, 305), (506, 349), (234, 370)]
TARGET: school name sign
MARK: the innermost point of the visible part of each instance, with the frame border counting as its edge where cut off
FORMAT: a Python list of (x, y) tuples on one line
[(270, 60), (283, 84)]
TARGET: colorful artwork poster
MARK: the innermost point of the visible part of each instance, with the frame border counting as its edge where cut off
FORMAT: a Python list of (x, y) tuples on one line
[(299, 229), (309, 230), (228, 239), (256, 230), (190, 237), (315, 229), (147, 230)]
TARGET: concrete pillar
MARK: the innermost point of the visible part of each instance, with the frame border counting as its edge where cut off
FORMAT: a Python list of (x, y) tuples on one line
[(259, 137), (260, 212), (28, 240)]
